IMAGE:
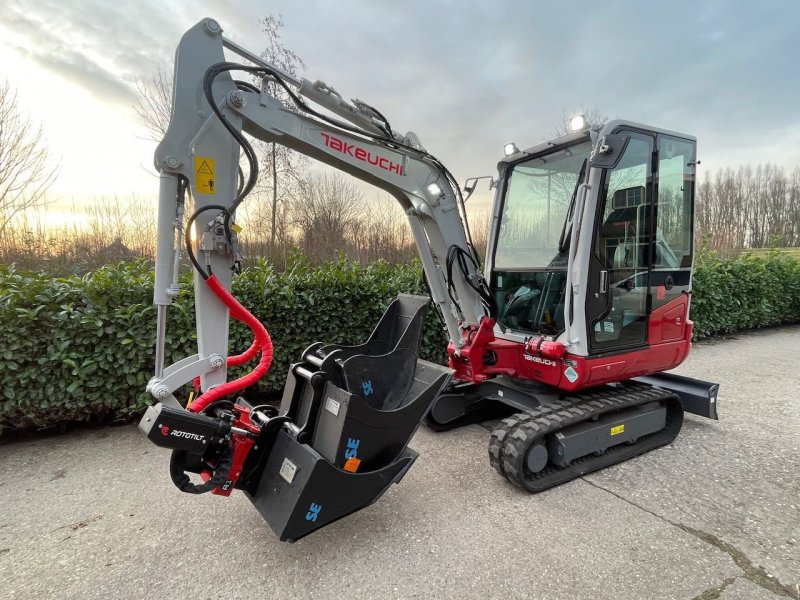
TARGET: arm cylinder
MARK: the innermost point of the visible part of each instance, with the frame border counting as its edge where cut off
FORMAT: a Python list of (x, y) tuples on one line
[(165, 265), (165, 250)]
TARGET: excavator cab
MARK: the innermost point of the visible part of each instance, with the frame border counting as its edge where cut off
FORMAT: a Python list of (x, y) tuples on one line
[(633, 252)]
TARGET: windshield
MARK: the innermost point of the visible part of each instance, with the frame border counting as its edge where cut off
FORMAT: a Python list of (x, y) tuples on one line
[(535, 209)]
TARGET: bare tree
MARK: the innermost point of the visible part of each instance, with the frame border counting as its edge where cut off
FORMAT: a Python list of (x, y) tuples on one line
[(26, 169), (154, 102), (751, 207), (283, 164), (381, 231), (324, 211)]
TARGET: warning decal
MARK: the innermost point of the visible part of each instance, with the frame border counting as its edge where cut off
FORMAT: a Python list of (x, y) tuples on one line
[(571, 374), (204, 175)]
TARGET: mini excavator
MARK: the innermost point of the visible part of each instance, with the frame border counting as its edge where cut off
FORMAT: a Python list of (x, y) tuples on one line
[(581, 304)]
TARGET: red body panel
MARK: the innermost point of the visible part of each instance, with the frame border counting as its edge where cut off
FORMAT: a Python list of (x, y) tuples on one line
[(669, 337)]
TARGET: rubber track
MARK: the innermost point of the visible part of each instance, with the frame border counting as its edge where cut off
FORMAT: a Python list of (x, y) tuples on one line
[(498, 437), (526, 429)]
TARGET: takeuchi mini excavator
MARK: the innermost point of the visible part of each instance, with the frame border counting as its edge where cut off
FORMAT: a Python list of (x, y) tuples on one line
[(581, 304)]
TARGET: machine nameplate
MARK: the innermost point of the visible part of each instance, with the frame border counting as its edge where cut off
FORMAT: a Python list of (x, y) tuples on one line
[(332, 406), (288, 470), (617, 429)]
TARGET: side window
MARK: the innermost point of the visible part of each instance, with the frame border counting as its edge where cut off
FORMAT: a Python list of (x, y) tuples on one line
[(624, 229), (623, 247), (673, 248)]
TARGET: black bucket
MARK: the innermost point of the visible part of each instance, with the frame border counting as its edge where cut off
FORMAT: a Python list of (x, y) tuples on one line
[(349, 414)]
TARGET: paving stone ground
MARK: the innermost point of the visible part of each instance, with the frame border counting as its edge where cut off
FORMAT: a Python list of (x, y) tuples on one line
[(716, 514)]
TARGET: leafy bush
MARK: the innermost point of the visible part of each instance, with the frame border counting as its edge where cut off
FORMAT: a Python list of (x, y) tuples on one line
[(81, 349), (743, 293)]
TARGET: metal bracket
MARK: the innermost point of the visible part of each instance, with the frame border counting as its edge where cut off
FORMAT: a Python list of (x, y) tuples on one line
[(182, 372)]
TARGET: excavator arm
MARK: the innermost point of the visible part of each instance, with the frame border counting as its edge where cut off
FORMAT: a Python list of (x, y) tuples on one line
[(202, 147)]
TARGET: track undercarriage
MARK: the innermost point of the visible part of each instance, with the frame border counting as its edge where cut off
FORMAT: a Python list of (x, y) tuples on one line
[(548, 439)]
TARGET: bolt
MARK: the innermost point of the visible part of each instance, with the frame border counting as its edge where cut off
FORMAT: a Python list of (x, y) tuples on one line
[(212, 27), (173, 162), (161, 391), (236, 99), (216, 361)]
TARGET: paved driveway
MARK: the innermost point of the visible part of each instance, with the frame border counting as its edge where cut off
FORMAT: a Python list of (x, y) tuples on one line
[(716, 514)]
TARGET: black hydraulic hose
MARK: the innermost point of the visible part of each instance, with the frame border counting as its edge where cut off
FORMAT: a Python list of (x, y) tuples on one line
[(177, 463), (177, 471), (456, 255), (389, 142), (246, 85), (187, 236), (247, 148)]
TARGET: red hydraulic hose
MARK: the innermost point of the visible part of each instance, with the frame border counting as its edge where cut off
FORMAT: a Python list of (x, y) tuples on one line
[(235, 361), (240, 359), (262, 341)]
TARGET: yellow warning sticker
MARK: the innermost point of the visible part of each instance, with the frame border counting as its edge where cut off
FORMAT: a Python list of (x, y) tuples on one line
[(205, 180), (617, 429)]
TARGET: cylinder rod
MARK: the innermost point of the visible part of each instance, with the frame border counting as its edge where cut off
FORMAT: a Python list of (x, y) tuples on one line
[(161, 336)]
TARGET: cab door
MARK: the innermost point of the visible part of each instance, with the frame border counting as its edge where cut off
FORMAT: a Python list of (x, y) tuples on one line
[(618, 303), (672, 251)]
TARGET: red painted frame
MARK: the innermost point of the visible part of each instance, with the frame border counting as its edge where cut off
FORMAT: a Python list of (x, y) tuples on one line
[(669, 338)]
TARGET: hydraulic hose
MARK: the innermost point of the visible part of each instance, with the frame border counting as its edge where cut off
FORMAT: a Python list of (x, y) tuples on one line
[(235, 361), (262, 342), (240, 359), (177, 471)]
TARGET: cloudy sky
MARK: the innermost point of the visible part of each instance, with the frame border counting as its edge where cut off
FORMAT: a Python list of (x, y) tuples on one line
[(466, 76)]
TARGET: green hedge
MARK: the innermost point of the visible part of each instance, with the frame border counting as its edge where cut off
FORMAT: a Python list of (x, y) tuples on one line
[(744, 293), (81, 349)]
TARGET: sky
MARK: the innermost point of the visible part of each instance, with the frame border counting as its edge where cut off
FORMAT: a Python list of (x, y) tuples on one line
[(466, 76)]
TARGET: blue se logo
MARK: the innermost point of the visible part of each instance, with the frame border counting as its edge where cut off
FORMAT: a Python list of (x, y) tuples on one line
[(352, 448), (313, 512)]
